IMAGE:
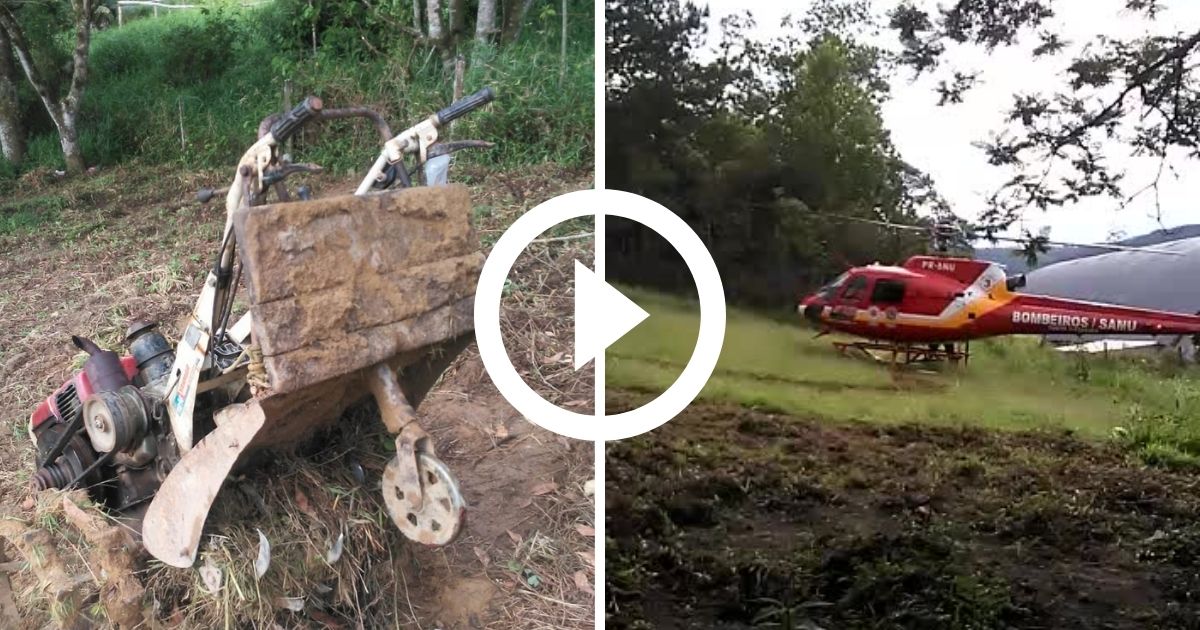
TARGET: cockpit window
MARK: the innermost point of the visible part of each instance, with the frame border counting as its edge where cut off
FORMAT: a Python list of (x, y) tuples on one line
[(855, 289), (828, 291)]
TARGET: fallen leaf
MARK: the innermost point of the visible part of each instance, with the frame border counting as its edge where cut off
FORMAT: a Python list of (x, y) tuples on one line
[(305, 505), (531, 578), (516, 538), (585, 530), (589, 488), (554, 358), (325, 619), (294, 604), (564, 442), (335, 550), (582, 583), (210, 575), (74, 512), (544, 488), (526, 502), (263, 561), (501, 431), (577, 403), (589, 557), (483, 556)]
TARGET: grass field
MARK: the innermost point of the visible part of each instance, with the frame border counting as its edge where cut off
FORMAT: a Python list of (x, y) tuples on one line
[(777, 364), (809, 490)]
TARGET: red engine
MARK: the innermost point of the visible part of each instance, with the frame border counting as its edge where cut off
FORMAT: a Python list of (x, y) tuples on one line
[(106, 429)]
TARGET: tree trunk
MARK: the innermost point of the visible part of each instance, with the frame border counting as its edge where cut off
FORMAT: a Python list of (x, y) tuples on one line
[(562, 67), (458, 19), (485, 20), (63, 112), (68, 139), (433, 15), (12, 130), (514, 20), (417, 16)]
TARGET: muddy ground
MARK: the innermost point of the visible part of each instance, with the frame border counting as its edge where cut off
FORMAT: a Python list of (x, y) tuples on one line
[(731, 518), (131, 243)]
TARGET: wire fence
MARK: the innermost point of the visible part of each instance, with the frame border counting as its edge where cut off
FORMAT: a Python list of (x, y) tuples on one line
[(158, 4)]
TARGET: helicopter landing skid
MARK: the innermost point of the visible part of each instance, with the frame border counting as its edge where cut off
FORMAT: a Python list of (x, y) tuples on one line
[(897, 354)]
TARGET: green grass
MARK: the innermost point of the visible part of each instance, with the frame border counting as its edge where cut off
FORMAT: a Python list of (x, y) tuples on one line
[(1011, 383), (24, 215), (146, 89)]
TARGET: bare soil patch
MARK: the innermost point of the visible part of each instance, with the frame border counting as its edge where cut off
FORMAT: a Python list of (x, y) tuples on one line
[(727, 517)]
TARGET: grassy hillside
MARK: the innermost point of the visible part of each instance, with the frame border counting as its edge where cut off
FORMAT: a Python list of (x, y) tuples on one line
[(1010, 383), (189, 88)]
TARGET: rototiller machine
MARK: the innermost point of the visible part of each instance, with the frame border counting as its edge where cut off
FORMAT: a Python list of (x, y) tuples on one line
[(348, 296)]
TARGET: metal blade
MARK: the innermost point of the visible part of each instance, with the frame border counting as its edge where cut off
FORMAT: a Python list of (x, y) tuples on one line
[(1009, 239), (175, 519), (887, 224), (1114, 247)]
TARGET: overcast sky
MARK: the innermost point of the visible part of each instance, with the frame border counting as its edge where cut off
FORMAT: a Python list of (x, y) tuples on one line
[(939, 140)]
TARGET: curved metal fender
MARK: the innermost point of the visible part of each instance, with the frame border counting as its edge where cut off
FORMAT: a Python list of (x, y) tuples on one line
[(175, 519)]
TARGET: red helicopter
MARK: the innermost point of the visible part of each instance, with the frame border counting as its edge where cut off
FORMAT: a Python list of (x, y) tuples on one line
[(925, 308)]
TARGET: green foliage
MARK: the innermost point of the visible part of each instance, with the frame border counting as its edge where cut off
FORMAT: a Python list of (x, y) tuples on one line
[(1110, 103), (1167, 439), (758, 150), (27, 214), (212, 75), (211, 47)]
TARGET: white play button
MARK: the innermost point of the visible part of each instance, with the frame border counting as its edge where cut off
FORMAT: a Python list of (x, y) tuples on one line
[(602, 315)]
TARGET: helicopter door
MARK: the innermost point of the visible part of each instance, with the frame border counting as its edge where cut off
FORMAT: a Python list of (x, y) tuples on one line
[(852, 298), (886, 297), (887, 293)]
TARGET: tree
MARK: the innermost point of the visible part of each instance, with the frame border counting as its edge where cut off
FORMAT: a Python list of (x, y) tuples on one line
[(12, 128), (514, 20), (1140, 95), (433, 15), (47, 79), (761, 151), (485, 20)]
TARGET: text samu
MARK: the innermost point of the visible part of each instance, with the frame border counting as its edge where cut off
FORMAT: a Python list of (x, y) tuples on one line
[(1079, 322)]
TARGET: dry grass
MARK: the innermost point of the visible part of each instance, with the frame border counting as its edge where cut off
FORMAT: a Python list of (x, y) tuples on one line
[(124, 247)]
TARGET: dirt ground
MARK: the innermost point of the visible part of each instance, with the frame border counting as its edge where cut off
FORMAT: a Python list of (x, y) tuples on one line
[(131, 243), (733, 518)]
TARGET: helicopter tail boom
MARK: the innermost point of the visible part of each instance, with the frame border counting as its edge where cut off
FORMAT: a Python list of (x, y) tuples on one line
[(1035, 314)]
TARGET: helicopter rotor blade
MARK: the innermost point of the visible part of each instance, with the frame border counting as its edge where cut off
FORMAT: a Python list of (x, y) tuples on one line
[(887, 224), (1109, 246), (932, 229)]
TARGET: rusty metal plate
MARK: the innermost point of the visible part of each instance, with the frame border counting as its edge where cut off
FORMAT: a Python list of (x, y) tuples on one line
[(342, 283), (175, 520)]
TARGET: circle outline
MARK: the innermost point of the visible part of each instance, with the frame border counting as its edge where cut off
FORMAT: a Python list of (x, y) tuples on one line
[(709, 340)]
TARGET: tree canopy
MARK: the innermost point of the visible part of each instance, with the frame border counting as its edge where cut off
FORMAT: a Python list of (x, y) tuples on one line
[(760, 149), (1135, 95)]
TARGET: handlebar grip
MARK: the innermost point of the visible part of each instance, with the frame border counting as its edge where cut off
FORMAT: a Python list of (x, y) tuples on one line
[(293, 120), (466, 105)]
